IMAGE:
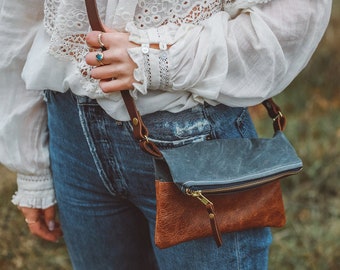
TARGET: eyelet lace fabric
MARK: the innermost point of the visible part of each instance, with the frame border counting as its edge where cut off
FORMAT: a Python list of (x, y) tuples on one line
[(67, 23), (156, 13)]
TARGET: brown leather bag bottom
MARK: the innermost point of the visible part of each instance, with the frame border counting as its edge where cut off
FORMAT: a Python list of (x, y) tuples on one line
[(181, 218)]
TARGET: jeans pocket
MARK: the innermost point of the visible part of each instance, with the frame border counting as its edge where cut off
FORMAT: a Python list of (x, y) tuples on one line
[(245, 125), (51, 96), (169, 130)]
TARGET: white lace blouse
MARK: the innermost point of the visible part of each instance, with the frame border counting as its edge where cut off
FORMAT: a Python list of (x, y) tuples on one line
[(235, 52)]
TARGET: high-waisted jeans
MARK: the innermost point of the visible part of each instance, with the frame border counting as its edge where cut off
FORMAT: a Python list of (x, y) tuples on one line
[(105, 187)]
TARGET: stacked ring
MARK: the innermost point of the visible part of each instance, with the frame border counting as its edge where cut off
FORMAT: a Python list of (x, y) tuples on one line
[(29, 222), (100, 57), (99, 38)]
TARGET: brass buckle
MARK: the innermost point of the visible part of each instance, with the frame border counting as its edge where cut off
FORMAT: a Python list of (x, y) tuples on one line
[(279, 115), (146, 138)]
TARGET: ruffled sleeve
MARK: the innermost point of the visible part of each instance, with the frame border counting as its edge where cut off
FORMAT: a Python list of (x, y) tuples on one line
[(34, 191)]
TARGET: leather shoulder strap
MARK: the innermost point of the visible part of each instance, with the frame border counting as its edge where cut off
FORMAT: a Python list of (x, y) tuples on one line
[(93, 15)]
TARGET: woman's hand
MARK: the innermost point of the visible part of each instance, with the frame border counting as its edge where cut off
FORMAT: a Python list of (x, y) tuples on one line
[(115, 69), (41, 223)]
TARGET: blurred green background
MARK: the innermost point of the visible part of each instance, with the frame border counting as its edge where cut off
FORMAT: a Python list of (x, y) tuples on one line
[(311, 238)]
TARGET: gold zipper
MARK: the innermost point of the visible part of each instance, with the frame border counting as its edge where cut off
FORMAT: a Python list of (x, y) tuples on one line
[(199, 193)]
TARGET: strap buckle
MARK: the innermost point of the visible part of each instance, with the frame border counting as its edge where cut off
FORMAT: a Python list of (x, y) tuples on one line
[(278, 116)]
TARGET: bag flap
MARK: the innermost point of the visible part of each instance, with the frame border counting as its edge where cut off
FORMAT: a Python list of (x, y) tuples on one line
[(229, 161)]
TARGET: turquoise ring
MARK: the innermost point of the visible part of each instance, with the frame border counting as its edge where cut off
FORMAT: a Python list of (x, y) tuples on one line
[(100, 57)]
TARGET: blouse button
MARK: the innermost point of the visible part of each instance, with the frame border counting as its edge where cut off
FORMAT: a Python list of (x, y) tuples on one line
[(163, 46), (145, 48)]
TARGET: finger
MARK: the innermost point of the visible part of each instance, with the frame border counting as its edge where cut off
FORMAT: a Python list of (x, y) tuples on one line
[(35, 219), (97, 59), (105, 72), (97, 39), (108, 86), (40, 229), (94, 40), (49, 217), (31, 214)]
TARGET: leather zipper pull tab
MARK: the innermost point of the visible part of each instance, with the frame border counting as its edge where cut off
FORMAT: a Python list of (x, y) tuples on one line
[(214, 224), (212, 215)]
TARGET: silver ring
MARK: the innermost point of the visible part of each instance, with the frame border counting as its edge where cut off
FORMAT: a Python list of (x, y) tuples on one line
[(29, 222), (99, 38)]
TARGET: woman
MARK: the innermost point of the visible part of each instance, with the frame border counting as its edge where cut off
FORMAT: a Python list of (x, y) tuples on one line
[(193, 67)]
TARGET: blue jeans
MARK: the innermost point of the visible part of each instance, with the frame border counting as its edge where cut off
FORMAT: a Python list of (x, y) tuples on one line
[(105, 187)]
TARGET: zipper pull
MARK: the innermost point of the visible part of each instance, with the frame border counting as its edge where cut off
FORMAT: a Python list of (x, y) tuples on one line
[(212, 215), (198, 194)]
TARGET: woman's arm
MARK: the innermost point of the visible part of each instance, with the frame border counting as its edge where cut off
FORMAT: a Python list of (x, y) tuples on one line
[(23, 119), (238, 62)]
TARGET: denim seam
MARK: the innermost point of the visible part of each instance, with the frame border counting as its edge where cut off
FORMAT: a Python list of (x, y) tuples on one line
[(208, 117), (240, 122), (92, 147)]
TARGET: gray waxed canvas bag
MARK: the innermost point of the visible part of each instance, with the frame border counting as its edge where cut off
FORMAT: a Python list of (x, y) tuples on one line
[(233, 183)]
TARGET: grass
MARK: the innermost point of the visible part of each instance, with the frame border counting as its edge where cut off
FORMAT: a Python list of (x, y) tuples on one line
[(310, 240)]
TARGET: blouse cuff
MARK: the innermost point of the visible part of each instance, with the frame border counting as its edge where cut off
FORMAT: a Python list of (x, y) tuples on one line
[(34, 191), (152, 70)]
